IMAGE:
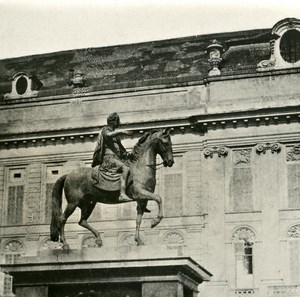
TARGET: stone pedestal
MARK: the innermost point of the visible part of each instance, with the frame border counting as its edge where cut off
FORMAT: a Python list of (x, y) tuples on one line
[(121, 272)]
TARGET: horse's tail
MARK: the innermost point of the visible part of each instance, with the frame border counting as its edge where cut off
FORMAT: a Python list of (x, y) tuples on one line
[(56, 208)]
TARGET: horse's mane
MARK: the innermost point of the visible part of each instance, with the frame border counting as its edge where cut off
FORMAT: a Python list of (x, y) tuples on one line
[(137, 148)]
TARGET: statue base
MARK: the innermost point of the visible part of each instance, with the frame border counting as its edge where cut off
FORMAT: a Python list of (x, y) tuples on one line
[(130, 271)]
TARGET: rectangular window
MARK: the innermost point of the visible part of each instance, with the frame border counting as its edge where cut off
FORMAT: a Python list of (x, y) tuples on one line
[(15, 196), (7, 290), (12, 258)]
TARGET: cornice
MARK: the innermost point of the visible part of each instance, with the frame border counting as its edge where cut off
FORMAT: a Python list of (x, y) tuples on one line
[(245, 119), (199, 125)]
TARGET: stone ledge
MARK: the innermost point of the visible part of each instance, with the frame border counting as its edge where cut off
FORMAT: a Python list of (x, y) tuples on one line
[(56, 266)]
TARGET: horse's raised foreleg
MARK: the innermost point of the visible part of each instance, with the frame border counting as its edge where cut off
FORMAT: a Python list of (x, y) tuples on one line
[(87, 207), (63, 219), (147, 195)]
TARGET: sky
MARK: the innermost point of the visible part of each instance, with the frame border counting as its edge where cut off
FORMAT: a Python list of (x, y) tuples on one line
[(42, 26)]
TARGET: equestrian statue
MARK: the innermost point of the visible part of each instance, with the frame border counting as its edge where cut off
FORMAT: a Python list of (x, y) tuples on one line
[(116, 176)]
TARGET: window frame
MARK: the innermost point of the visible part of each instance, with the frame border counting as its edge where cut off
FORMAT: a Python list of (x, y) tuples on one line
[(9, 183), (243, 236)]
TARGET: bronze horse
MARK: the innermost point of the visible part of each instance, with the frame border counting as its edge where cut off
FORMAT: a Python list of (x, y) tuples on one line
[(80, 192)]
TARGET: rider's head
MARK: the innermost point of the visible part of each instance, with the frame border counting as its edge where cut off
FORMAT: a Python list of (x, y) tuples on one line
[(113, 119)]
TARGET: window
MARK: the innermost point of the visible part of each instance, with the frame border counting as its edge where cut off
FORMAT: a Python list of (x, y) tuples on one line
[(244, 257), (12, 253), (7, 288), (243, 239), (284, 46), (290, 46), (15, 196), (21, 85), (24, 86)]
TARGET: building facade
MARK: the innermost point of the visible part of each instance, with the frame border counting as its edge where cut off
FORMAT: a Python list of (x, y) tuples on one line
[(232, 199)]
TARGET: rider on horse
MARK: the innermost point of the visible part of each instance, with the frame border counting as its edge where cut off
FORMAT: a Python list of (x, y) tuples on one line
[(111, 154)]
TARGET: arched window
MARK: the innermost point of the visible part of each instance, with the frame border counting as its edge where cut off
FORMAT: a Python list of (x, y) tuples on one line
[(243, 239)]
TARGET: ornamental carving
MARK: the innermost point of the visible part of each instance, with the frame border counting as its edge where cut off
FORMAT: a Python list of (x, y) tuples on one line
[(267, 63), (88, 242), (293, 154), (173, 237), (263, 147), (294, 231), (242, 157), (13, 246), (219, 150), (243, 233), (128, 239)]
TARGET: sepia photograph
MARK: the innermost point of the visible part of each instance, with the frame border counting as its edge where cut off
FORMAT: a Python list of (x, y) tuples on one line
[(149, 148)]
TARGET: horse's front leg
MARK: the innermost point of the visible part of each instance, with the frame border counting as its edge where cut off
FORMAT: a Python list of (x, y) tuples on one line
[(147, 195), (139, 216)]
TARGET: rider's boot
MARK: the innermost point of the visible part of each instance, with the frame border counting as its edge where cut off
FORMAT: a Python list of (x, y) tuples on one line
[(123, 196), (147, 210)]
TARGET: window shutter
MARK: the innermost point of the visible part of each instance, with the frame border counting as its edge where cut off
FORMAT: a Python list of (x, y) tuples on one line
[(15, 205), (7, 290), (48, 206)]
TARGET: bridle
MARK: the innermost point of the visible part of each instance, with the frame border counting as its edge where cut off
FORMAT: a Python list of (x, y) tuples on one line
[(155, 166)]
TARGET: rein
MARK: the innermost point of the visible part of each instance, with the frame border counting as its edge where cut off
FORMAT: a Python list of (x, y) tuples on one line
[(154, 166)]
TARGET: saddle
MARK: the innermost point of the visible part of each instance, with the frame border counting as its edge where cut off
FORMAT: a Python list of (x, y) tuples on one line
[(105, 180)]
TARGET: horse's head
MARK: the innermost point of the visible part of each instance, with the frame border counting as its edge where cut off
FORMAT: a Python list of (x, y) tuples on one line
[(164, 147)]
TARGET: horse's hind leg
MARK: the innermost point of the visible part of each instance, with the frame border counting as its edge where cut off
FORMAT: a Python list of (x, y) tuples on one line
[(87, 207), (63, 219)]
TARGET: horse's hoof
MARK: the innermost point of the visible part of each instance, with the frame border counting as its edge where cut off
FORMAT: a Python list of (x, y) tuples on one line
[(139, 243), (154, 223), (66, 247), (98, 242)]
